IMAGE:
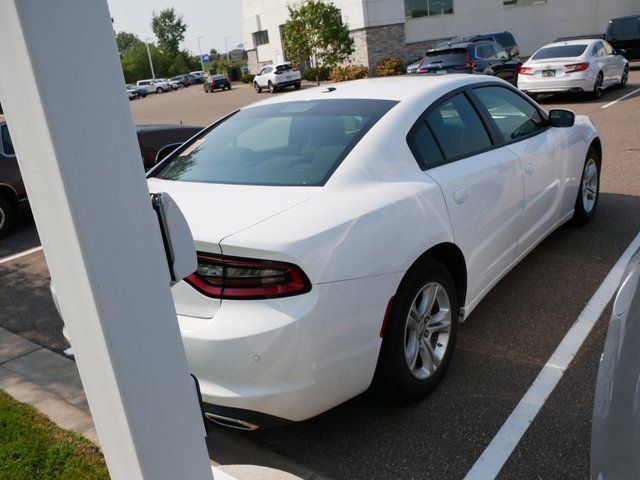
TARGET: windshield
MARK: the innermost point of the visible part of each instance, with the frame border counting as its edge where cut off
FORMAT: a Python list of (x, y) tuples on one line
[(563, 51), (456, 55), (289, 143)]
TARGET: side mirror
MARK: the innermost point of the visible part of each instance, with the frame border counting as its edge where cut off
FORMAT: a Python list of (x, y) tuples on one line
[(621, 51), (560, 118)]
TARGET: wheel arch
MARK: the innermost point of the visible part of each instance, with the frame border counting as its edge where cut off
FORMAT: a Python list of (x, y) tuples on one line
[(596, 144), (450, 255)]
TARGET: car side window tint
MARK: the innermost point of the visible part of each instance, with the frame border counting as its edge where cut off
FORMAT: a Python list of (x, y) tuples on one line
[(458, 128), (600, 51), (513, 114), (425, 148), (608, 48), (501, 53), (7, 144), (484, 51)]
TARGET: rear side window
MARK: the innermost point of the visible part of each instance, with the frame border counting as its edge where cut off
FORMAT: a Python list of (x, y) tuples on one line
[(424, 147), (561, 51), (514, 116), (7, 144), (485, 51), (624, 29), (286, 143), (458, 128)]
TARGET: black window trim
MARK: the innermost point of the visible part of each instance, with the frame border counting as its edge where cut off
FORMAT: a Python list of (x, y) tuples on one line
[(480, 105), (490, 128), (4, 126)]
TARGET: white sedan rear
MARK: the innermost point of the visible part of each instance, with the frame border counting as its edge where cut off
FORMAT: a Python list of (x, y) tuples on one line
[(576, 66), (344, 231)]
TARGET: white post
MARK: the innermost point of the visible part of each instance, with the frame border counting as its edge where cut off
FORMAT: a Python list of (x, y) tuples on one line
[(146, 42), (200, 53), (80, 160), (226, 47)]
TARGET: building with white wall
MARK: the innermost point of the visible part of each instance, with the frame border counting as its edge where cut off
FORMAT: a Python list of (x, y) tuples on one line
[(407, 28)]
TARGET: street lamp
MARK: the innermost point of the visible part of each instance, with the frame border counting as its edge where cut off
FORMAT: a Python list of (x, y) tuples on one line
[(146, 42), (226, 47), (200, 53)]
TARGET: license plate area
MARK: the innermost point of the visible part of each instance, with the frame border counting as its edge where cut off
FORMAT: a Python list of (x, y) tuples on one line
[(548, 73)]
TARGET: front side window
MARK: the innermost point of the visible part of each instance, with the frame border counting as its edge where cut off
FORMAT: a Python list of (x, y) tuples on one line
[(458, 128), (287, 143), (514, 116), (427, 8), (7, 144), (598, 50), (608, 48)]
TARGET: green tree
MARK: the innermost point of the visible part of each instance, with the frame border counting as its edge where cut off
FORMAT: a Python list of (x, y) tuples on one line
[(125, 41), (316, 34), (169, 28)]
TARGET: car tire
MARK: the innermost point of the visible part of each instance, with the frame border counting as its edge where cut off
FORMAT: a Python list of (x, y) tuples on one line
[(257, 87), (589, 190), (597, 87), (625, 77), (272, 87), (296, 86), (8, 215), (418, 344), (159, 90)]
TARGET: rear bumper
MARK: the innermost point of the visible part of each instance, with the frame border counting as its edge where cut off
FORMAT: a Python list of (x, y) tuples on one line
[(551, 85), (288, 83)]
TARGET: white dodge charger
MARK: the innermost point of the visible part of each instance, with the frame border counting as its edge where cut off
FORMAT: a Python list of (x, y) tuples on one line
[(343, 232)]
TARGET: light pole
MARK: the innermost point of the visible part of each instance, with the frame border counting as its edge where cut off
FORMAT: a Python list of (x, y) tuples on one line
[(200, 53), (226, 47), (146, 42)]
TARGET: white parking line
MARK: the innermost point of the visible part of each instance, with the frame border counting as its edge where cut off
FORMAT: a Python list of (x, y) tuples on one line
[(21, 254), (621, 98), (501, 447)]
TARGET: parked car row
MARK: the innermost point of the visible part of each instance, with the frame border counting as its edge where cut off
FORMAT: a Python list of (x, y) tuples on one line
[(162, 85), (156, 142), (586, 64)]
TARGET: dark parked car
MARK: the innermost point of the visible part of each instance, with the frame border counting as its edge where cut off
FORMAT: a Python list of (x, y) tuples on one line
[(156, 142), (486, 58), (185, 79), (140, 92), (505, 39), (215, 82), (623, 33)]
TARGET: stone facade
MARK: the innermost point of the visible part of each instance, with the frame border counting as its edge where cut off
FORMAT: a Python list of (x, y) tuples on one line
[(372, 44)]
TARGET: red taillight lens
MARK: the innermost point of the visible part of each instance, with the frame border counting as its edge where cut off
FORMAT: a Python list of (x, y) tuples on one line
[(525, 71), (247, 279), (576, 67)]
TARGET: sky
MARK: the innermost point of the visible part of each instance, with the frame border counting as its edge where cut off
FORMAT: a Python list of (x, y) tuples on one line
[(211, 19)]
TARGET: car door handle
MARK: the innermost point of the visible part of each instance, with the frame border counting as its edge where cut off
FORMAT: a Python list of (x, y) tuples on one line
[(460, 195), (528, 168)]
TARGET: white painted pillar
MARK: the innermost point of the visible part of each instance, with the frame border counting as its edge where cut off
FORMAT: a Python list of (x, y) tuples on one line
[(63, 93)]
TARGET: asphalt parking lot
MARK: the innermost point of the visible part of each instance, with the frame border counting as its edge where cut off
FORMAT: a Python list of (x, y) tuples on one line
[(501, 348)]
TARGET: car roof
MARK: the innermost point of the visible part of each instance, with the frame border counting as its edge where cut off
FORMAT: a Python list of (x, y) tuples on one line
[(624, 17), (401, 88), (461, 45)]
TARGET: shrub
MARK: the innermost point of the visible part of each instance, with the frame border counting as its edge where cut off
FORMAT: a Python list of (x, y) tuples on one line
[(310, 73), (247, 78), (349, 72), (390, 66)]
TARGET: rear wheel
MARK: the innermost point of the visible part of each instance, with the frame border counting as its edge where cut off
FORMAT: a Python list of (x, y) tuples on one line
[(8, 215), (420, 335), (296, 86), (625, 77), (597, 87), (589, 191)]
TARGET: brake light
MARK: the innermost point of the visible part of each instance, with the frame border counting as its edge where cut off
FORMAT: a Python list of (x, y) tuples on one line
[(247, 279), (525, 70), (423, 70), (576, 67)]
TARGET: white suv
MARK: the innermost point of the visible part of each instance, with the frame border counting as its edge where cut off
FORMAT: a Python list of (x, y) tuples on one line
[(276, 77), (154, 86)]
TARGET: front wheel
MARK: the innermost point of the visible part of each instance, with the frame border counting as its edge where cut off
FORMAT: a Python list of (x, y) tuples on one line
[(8, 215), (159, 90), (589, 191), (420, 335)]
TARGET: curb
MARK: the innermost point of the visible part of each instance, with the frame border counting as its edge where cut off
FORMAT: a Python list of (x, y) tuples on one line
[(50, 383)]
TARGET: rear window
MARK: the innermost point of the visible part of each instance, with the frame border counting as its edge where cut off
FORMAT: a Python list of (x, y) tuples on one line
[(283, 68), (624, 29), (562, 51), (454, 55), (289, 143)]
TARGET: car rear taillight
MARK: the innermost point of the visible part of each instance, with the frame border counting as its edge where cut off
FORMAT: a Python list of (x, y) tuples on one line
[(247, 279), (576, 67), (525, 70)]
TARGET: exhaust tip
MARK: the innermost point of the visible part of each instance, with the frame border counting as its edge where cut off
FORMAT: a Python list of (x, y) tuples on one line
[(231, 422)]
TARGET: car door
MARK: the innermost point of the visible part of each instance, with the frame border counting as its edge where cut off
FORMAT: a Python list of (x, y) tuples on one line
[(616, 62), (264, 76), (481, 184), (604, 63), (544, 159)]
